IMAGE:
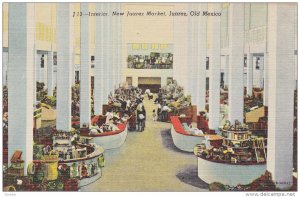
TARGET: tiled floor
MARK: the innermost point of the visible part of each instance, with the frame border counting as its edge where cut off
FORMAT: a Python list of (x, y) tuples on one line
[(149, 161)]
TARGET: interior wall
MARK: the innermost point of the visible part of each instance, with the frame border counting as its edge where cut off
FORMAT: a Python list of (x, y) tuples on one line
[(145, 29), (149, 80), (45, 21)]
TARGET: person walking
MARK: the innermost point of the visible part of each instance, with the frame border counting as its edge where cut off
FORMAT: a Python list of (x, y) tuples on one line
[(153, 115), (140, 116), (143, 122)]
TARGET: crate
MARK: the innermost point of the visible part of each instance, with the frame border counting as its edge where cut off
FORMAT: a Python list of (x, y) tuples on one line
[(16, 156), (70, 188), (51, 186), (32, 187), (9, 179), (5, 139), (9, 188), (17, 165), (37, 151), (71, 185), (15, 171), (59, 186), (5, 155)]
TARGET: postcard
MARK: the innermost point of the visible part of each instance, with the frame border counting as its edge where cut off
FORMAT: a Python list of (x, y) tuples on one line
[(150, 97)]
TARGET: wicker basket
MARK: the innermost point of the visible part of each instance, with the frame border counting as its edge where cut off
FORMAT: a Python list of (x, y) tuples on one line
[(9, 188)]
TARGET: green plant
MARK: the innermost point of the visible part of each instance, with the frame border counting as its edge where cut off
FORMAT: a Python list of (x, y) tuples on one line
[(50, 100)]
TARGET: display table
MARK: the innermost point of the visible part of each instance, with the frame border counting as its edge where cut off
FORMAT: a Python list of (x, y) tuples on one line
[(93, 158), (239, 160), (229, 173), (182, 139), (110, 139)]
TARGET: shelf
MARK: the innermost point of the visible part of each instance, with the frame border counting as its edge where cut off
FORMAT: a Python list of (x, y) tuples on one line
[(231, 131), (237, 140), (233, 147)]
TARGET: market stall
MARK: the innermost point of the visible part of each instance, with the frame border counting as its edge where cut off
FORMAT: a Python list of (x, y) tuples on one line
[(240, 159), (184, 137), (108, 139)]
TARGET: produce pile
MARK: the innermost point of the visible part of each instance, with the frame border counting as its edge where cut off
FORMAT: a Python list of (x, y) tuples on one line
[(172, 96)]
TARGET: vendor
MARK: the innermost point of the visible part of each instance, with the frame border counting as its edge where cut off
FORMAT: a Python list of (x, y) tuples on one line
[(109, 115), (147, 91), (165, 111), (109, 126), (95, 129)]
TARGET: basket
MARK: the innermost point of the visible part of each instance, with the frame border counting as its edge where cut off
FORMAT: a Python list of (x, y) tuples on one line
[(9, 179), (60, 186), (52, 171), (9, 188), (37, 151), (50, 158), (51, 186)]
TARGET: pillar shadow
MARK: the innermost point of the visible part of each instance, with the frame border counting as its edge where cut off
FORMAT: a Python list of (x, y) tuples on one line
[(168, 142), (189, 175)]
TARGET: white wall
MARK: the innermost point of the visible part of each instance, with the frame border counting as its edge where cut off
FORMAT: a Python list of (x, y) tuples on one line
[(145, 29), (257, 73), (135, 73)]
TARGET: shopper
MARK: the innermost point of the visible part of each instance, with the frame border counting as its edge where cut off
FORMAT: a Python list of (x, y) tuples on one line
[(153, 115), (143, 120)]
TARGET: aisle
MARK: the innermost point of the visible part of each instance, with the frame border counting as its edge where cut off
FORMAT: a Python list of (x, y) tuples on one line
[(148, 161)]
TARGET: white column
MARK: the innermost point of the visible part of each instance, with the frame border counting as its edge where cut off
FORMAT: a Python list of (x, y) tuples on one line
[(296, 51), (266, 80), (176, 33), (21, 30), (191, 56), (214, 66), (249, 74), (45, 70), (64, 23), (99, 66), (34, 74), (114, 50), (50, 73), (281, 40), (73, 67), (190, 77), (109, 46), (37, 66), (261, 72), (163, 81), (201, 60), (226, 71), (135, 81), (180, 65), (106, 25), (119, 45), (236, 62), (4, 68), (85, 66)]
